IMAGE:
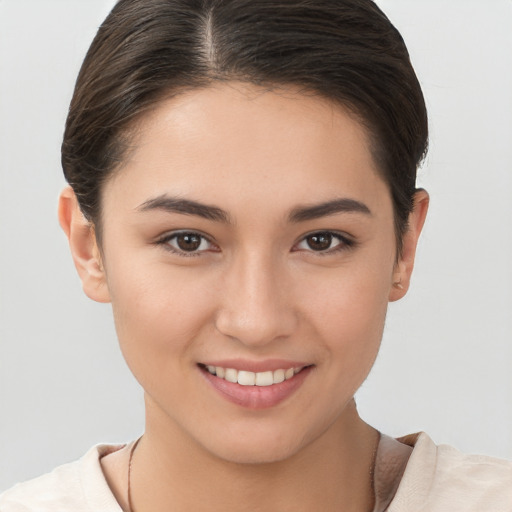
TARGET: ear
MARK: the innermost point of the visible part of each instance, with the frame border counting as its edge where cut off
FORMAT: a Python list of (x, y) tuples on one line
[(84, 248), (403, 268)]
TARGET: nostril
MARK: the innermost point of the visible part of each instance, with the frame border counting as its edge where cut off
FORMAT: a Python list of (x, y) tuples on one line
[(256, 329)]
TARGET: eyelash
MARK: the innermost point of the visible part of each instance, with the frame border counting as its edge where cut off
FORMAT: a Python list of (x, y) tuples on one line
[(345, 243), (166, 239)]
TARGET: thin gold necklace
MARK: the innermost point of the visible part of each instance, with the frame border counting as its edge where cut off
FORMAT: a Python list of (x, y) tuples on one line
[(130, 507), (373, 463), (132, 450)]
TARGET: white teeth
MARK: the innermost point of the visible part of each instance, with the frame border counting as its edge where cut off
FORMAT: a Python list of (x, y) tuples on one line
[(231, 375), (278, 376), (264, 379), (245, 378)]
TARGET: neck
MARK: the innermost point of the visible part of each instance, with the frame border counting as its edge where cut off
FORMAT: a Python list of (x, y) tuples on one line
[(332, 473)]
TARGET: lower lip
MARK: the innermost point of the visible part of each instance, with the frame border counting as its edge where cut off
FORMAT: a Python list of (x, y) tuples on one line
[(256, 397)]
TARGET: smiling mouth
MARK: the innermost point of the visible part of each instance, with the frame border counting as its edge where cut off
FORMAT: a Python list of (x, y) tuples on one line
[(246, 378)]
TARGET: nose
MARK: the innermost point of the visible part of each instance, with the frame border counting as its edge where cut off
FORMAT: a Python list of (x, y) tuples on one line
[(256, 306)]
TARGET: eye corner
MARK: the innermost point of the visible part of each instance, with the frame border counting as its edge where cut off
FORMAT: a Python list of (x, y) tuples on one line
[(195, 248), (325, 239)]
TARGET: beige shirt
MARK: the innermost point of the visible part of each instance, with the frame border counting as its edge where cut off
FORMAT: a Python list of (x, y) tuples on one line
[(436, 479)]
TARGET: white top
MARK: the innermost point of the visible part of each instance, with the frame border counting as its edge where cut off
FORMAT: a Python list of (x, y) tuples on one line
[(436, 479)]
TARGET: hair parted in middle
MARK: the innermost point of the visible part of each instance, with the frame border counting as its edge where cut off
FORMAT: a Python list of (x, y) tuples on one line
[(346, 51)]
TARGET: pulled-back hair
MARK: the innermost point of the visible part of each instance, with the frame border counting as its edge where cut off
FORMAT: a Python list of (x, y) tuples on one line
[(344, 50)]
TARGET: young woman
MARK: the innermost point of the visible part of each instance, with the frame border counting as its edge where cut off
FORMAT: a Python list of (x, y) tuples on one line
[(242, 190)]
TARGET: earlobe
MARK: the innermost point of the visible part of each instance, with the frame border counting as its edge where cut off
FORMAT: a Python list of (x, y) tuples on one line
[(403, 269), (84, 248)]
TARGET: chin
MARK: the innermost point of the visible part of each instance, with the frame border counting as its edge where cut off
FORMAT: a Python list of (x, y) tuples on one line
[(258, 446), (254, 453)]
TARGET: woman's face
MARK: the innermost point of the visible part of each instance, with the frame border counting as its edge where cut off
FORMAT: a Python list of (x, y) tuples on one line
[(248, 230)]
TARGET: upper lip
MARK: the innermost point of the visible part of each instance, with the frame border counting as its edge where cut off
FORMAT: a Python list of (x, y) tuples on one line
[(264, 365)]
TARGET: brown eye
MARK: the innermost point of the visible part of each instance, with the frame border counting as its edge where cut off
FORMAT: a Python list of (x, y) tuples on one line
[(319, 241), (324, 243), (188, 241)]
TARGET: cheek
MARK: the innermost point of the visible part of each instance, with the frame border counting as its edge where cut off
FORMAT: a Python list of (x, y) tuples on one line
[(348, 313), (158, 312)]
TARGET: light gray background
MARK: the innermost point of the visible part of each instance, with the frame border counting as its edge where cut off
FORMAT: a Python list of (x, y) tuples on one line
[(446, 361)]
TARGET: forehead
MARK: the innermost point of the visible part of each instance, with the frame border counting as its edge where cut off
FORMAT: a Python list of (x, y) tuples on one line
[(241, 144)]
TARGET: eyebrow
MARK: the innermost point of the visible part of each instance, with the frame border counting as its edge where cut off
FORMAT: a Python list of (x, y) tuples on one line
[(316, 211), (299, 214), (187, 207)]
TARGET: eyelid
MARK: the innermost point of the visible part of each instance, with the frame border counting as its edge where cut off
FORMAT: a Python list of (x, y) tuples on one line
[(346, 242), (164, 239)]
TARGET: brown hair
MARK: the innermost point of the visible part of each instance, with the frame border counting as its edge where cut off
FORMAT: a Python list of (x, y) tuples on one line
[(345, 50)]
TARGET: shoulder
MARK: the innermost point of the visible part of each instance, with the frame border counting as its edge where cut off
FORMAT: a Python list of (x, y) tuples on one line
[(79, 486), (440, 478)]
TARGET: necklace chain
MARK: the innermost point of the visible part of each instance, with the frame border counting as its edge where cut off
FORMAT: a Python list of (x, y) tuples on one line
[(132, 450), (129, 491)]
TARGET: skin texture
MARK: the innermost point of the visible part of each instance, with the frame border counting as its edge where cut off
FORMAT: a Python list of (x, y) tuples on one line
[(255, 291)]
